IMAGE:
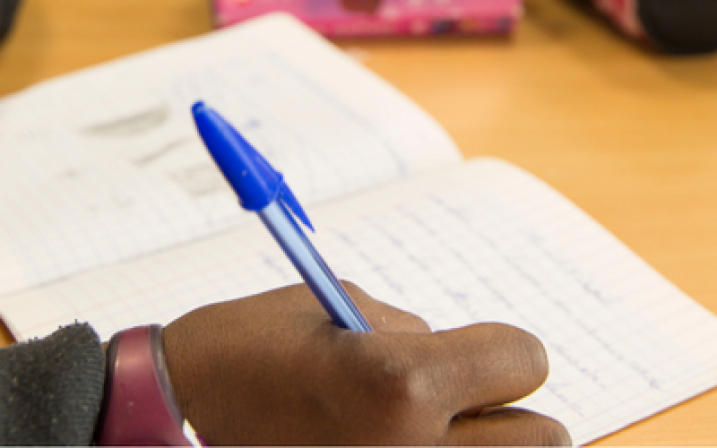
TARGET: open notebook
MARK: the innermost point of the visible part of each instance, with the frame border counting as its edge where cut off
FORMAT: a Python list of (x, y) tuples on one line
[(112, 212)]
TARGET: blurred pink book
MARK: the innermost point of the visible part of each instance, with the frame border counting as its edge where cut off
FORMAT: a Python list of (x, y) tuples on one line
[(339, 18)]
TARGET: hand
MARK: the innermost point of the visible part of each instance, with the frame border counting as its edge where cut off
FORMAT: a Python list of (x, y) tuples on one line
[(273, 369)]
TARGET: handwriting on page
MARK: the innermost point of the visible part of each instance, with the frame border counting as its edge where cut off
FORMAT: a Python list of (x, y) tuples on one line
[(491, 247), (480, 268), (106, 165), (484, 242), (505, 248)]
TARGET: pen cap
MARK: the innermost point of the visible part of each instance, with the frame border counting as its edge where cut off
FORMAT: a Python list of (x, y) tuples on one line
[(254, 180)]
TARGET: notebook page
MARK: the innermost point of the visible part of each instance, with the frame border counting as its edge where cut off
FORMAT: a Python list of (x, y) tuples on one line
[(105, 164), (481, 242)]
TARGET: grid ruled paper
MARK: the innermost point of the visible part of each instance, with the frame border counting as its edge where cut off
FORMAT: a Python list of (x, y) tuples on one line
[(482, 241), (105, 164)]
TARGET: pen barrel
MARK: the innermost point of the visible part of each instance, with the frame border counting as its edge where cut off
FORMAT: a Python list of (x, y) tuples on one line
[(312, 268)]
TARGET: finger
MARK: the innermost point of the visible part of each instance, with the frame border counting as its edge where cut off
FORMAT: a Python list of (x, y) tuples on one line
[(491, 364), (462, 369), (383, 317), (507, 426)]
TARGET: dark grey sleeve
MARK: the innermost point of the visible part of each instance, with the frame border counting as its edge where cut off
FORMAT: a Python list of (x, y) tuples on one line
[(51, 389)]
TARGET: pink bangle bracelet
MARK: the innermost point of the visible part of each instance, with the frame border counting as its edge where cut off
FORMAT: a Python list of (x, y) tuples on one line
[(139, 406)]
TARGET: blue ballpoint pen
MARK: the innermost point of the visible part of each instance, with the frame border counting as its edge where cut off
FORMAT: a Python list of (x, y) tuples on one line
[(262, 189)]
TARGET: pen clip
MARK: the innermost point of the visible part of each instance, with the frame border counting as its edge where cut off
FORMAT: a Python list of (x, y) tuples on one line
[(288, 199)]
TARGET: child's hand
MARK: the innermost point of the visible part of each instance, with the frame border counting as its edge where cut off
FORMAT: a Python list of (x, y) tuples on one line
[(273, 369)]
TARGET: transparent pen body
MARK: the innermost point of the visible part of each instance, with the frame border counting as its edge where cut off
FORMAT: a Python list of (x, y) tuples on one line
[(317, 275)]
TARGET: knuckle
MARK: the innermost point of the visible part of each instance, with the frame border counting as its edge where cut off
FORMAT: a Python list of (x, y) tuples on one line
[(402, 389), (401, 381)]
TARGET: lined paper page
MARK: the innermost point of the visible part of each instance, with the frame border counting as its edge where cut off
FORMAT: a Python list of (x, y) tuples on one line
[(105, 164), (481, 242)]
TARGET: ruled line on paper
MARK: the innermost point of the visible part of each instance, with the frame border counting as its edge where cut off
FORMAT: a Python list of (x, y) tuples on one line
[(123, 173), (484, 242)]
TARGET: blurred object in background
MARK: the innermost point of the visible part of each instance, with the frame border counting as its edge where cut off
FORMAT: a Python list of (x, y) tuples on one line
[(669, 26), (350, 18), (7, 13)]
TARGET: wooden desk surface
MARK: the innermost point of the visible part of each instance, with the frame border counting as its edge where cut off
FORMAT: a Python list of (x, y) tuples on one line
[(629, 136)]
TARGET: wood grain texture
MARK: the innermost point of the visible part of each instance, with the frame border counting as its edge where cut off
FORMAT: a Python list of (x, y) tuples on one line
[(629, 136)]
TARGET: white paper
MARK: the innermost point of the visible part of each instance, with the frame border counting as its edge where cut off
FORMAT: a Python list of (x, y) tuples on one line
[(479, 242), (105, 164)]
